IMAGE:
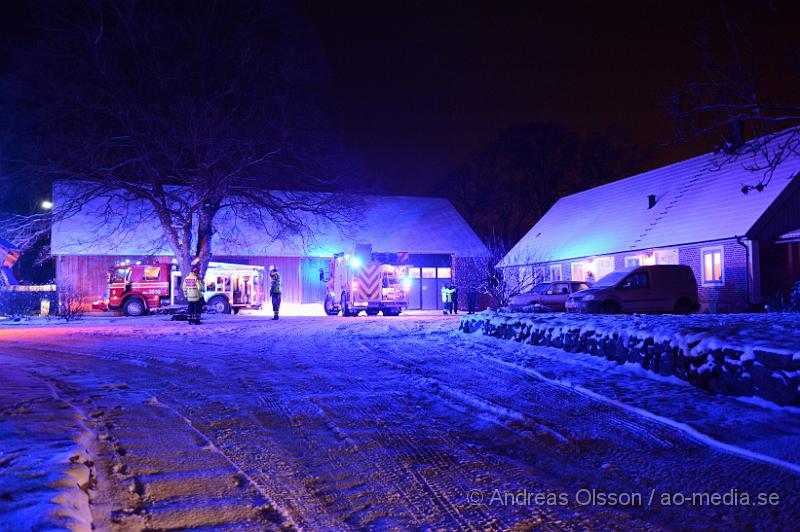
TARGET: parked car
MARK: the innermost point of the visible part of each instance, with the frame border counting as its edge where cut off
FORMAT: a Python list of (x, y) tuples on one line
[(663, 288), (548, 297)]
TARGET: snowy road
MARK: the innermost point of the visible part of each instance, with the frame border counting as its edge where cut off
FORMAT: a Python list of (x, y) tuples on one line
[(333, 423)]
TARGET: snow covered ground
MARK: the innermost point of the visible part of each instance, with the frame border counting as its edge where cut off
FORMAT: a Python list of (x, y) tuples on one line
[(321, 422)]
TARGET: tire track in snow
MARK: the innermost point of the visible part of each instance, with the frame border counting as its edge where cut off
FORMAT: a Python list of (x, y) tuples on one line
[(691, 432)]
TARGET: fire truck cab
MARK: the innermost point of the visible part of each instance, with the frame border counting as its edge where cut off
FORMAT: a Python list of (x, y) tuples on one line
[(137, 289), (360, 280)]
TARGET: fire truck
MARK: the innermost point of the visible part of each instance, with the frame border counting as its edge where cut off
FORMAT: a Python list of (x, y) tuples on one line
[(137, 288), (362, 280)]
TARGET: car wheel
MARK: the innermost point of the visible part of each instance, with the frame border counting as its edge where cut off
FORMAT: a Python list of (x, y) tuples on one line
[(372, 312), (683, 306), (134, 306), (220, 305), (610, 307)]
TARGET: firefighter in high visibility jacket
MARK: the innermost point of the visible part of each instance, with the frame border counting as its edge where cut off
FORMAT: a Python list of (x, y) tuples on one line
[(275, 290), (447, 299), (193, 290)]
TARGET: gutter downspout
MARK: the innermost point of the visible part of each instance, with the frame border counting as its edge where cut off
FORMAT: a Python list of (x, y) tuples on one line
[(747, 266)]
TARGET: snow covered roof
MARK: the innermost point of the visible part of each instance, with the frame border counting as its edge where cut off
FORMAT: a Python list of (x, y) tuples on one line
[(791, 236), (697, 200), (389, 223)]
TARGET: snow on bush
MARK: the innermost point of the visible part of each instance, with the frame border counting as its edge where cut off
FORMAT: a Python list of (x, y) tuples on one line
[(739, 354)]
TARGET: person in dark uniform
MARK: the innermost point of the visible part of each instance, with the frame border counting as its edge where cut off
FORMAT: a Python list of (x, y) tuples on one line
[(472, 300), (275, 290)]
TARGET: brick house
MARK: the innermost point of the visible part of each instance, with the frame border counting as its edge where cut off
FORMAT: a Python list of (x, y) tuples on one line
[(742, 247)]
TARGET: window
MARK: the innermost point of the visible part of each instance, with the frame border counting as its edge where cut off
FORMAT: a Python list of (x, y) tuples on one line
[(602, 267), (636, 280), (577, 287), (578, 271), (428, 273), (633, 261), (711, 263), (151, 273), (444, 273), (413, 272), (666, 256), (555, 272)]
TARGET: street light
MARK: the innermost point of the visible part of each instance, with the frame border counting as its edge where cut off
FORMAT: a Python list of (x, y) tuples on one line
[(47, 204)]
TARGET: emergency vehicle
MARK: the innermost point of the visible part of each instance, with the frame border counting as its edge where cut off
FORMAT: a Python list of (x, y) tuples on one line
[(362, 280), (137, 288), (9, 254)]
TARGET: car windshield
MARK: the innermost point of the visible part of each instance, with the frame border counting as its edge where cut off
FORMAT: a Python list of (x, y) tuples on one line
[(611, 279), (540, 288), (118, 275)]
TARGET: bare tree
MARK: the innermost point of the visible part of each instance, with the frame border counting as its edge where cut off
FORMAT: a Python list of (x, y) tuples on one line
[(177, 111), (506, 186), (731, 104), (487, 275)]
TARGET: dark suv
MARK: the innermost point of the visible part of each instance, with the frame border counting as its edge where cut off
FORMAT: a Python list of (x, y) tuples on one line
[(663, 288)]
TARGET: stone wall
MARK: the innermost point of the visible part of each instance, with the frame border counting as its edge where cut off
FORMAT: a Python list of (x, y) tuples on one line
[(712, 365)]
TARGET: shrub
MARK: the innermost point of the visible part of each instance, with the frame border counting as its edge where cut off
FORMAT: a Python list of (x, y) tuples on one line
[(70, 302)]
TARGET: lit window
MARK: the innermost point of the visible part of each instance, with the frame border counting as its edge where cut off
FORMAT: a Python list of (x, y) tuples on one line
[(666, 256), (151, 273), (444, 273), (578, 271), (602, 267), (429, 273), (712, 265), (555, 272)]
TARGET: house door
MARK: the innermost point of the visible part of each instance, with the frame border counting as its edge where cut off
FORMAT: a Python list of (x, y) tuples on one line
[(430, 289)]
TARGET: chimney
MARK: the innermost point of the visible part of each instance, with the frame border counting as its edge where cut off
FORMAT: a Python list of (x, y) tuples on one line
[(651, 201), (735, 137)]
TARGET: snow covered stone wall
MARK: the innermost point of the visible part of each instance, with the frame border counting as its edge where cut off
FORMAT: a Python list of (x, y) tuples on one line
[(736, 354)]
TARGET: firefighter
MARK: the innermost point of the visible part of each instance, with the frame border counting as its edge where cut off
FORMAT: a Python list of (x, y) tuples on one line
[(192, 289), (453, 299), (275, 290), (447, 299), (472, 300)]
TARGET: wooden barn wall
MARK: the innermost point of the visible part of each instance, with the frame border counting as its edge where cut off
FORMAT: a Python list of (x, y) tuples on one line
[(86, 274), (288, 267), (313, 290)]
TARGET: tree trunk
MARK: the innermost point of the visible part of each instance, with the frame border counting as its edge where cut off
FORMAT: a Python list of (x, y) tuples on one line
[(205, 234)]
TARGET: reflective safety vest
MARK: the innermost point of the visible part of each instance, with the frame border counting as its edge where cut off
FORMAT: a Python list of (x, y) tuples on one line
[(275, 284), (447, 295), (192, 287)]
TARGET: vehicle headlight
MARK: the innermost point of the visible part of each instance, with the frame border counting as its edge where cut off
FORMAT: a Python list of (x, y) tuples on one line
[(588, 297)]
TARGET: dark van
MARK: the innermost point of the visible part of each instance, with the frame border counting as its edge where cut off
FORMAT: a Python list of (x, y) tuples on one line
[(663, 288)]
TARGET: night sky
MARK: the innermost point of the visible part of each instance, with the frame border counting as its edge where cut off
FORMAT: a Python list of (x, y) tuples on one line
[(420, 84), (423, 83)]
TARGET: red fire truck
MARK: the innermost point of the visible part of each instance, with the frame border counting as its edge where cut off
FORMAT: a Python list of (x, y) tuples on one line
[(362, 280), (137, 288)]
